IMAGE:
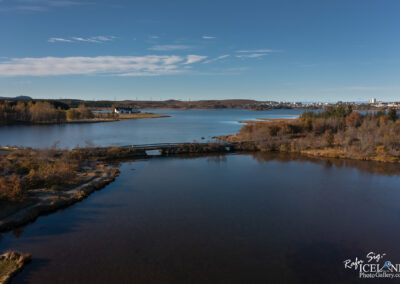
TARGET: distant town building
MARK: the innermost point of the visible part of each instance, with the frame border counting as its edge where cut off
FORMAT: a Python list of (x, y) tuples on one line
[(126, 110), (372, 101)]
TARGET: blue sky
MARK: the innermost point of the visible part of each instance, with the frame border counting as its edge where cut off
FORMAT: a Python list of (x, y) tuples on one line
[(311, 50)]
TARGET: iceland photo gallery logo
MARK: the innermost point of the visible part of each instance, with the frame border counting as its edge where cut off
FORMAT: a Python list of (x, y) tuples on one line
[(375, 266)]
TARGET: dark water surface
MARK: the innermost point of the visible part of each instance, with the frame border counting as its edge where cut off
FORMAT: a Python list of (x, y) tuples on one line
[(182, 126), (219, 219)]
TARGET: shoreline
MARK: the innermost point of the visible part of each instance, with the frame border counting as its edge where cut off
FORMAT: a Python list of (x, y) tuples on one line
[(326, 152), (47, 201), (95, 120), (42, 201)]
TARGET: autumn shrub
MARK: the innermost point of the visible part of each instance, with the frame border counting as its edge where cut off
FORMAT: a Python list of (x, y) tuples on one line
[(10, 188), (47, 175), (354, 119), (40, 112), (355, 134)]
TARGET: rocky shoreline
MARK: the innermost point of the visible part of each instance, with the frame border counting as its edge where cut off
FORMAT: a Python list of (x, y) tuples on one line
[(47, 201)]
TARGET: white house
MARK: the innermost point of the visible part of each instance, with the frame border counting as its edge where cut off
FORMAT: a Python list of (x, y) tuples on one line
[(126, 110)]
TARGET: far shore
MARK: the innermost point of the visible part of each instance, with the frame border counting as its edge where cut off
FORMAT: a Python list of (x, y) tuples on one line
[(141, 115), (133, 116)]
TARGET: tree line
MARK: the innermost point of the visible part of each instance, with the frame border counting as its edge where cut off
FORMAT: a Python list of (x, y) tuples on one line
[(42, 112)]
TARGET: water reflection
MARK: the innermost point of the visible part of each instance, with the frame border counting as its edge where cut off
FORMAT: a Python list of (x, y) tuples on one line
[(369, 167), (239, 218)]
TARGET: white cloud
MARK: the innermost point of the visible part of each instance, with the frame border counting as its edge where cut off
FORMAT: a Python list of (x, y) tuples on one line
[(58, 39), (169, 47), (84, 39), (104, 38), (216, 59), (93, 39), (258, 51), (253, 55), (208, 37), (154, 37), (150, 65), (194, 58)]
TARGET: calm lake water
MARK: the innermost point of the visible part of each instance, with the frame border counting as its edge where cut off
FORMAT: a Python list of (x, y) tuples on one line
[(263, 218), (182, 126)]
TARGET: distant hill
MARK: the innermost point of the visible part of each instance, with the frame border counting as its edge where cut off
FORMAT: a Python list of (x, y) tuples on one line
[(19, 98), (168, 104)]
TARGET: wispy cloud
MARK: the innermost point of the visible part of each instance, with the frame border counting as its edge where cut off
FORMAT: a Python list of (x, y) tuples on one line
[(194, 58), (154, 37), (38, 5), (253, 55), (258, 51), (150, 65), (93, 39), (169, 47), (208, 37), (216, 59), (58, 39)]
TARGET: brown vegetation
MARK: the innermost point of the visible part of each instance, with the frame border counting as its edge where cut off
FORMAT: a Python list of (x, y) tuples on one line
[(186, 148), (11, 263), (36, 182), (26, 169), (336, 132), (23, 170), (39, 112), (12, 112)]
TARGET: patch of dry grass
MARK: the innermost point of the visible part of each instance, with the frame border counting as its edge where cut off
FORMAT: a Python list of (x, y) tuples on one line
[(10, 264)]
